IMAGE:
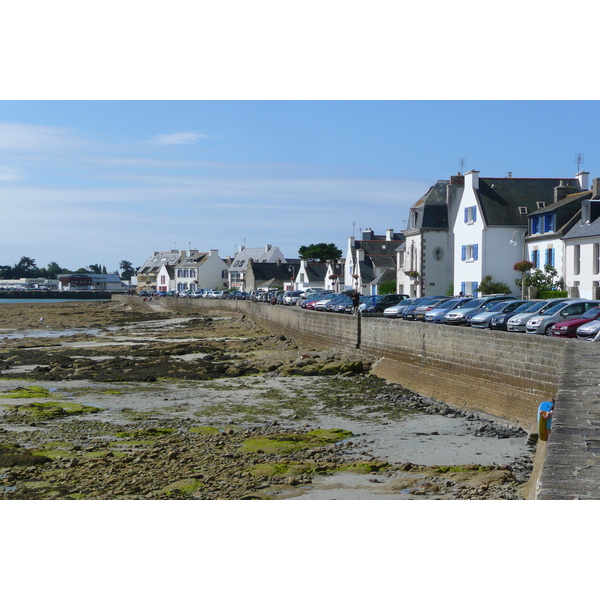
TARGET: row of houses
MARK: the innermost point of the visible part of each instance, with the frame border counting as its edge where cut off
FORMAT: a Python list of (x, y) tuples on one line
[(461, 230)]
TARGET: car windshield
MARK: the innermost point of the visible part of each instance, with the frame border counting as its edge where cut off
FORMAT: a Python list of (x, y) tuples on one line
[(494, 307), (473, 303), (535, 307), (448, 304), (525, 308), (592, 313), (555, 308)]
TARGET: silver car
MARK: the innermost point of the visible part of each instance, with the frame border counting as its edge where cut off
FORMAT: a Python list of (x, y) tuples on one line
[(518, 322), (588, 331), (459, 316), (482, 320), (563, 311)]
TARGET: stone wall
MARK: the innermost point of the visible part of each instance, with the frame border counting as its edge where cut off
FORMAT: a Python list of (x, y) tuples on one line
[(502, 374)]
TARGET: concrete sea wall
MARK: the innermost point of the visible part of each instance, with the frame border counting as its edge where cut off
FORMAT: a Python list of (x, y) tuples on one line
[(502, 374)]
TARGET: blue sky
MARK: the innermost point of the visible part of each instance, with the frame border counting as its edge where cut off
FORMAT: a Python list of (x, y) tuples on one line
[(87, 182)]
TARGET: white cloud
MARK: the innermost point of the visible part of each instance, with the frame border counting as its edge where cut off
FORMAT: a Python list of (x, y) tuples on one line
[(11, 174), (22, 136), (186, 138)]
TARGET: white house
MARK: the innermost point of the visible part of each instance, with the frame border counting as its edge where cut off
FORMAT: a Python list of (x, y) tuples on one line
[(200, 270), (239, 263), (310, 275), (491, 213), (147, 276), (425, 260), (582, 250), (549, 224), (371, 260)]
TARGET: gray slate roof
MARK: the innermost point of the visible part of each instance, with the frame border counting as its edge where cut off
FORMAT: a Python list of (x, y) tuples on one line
[(501, 198)]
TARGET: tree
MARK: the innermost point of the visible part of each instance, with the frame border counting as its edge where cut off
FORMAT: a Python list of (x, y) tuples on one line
[(389, 287), (127, 269), (97, 269), (545, 281), (489, 286), (320, 252), (26, 267)]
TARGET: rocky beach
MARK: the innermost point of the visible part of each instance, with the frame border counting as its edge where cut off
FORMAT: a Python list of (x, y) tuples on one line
[(104, 401)]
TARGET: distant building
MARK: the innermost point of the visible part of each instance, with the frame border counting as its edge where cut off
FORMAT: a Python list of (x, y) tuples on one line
[(106, 282), (239, 264)]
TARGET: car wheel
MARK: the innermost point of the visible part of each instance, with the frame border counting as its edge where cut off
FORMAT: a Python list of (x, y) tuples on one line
[(547, 331)]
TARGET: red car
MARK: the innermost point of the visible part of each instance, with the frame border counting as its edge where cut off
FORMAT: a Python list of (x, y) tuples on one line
[(568, 329)]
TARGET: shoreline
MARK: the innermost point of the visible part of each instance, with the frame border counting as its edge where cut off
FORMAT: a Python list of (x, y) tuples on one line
[(399, 439)]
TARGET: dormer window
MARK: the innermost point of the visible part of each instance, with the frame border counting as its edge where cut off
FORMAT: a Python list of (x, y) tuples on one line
[(470, 214), (541, 204), (523, 210), (585, 212)]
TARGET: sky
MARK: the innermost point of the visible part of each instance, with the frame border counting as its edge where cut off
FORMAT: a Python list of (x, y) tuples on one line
[(85, 182), (128, 127)]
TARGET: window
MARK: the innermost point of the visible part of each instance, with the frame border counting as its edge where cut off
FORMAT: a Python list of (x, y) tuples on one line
[(535, 258), (470, 214), (548, 223), (576, 259), (540, 204), (549, 258), (523, 210), (470, 252), (596, 265), (535, 225)]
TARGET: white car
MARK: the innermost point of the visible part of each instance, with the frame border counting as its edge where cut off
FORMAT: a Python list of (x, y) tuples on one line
[(563, 311), (519, 321)]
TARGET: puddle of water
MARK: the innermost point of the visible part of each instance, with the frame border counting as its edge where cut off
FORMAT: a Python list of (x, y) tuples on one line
[(33, 333)]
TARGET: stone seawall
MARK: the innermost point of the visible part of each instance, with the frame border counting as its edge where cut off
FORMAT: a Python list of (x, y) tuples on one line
[(506, 375)]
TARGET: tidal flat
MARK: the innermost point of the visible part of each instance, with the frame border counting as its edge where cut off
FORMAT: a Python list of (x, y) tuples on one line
[(104, 401)]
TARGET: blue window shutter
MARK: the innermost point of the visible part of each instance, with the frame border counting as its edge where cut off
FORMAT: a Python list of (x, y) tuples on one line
[(463, 286), (475, 251), (466, 214), (475, 293), (551, 262), (463, 253), (474, 214)]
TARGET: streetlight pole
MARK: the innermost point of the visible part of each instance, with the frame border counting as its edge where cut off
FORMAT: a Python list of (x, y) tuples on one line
[(513, 242)]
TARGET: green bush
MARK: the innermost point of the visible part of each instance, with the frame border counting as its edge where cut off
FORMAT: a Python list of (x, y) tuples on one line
[(545, 294)]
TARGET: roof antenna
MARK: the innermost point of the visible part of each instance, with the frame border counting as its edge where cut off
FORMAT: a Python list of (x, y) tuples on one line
[(579, 159), (462, 165)]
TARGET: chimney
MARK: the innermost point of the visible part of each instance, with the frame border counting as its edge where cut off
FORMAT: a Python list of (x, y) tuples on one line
[(267, 247), (583, 180), (278, 261), (457, 180), (367, 234), (472, 179), (509, 175), (360, 255), (389, 235), (596, 188), (563, 190)]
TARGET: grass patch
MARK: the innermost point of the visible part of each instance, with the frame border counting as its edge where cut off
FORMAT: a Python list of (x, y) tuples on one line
[(32, 391)]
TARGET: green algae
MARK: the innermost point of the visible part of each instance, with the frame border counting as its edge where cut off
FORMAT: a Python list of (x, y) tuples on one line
[(142, 433), (205, 430), (286, 443), (55, 410), (32, 391)]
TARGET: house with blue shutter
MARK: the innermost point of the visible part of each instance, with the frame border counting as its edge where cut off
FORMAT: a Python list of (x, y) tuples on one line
[(549, 224), (492, 223)]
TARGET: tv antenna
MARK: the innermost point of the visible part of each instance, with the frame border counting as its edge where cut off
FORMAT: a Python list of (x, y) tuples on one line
[(579, 160), (353, 226), (462, 165)]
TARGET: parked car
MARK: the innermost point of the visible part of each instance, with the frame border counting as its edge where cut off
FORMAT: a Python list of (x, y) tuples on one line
[(367, 302), (500, 321), (588, 331), (396, 311), (383, 302), (563, 311), (311, 303), (311, 290), (519, 321), (291, 297), (416, 312), (437, 314), (237, 295), (482, 320), (568, 329), (459, 316), (321, 304)]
